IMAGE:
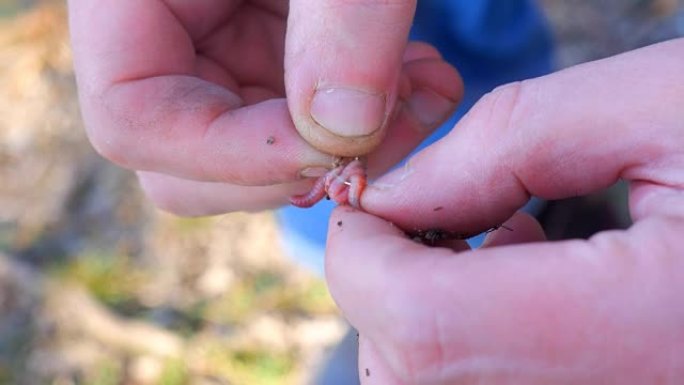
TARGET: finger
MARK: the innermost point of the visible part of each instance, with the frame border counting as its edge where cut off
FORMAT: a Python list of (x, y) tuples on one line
[(494, 313), (146, 108), (192, 132), (416, 50), (349, 234), (192, 198), (520, 228), (557, 136), (343, 63), (422, 106)]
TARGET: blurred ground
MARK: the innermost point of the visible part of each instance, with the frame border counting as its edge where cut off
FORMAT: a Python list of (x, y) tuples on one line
[(98, 288)]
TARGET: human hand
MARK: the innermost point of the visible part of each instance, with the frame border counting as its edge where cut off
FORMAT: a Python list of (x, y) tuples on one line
[(607, 310), (192, 94)]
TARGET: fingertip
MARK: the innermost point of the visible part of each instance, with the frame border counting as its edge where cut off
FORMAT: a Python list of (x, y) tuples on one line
[(352, 234), (430, 91), (416, 50), (342, 66), (437, 75)]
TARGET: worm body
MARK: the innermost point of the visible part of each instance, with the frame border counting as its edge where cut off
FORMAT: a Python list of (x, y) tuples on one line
[(343, 184)]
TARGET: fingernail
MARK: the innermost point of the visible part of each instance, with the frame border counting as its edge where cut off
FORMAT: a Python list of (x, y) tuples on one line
[(429, 107), (348, 112), (313, 172)]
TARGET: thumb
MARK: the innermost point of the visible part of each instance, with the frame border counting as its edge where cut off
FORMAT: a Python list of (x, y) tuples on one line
[(342, 66)]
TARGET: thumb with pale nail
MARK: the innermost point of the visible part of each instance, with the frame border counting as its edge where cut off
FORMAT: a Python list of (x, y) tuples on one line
[(342, 66)]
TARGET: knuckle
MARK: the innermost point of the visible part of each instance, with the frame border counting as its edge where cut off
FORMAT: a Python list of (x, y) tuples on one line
[(117, 127), (502, 110), (161, 196), (108, 144)]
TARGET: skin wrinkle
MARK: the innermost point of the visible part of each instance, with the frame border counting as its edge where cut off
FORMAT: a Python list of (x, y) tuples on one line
[(124, 80), (278, 8), (665, 269), (150, 72), (495, 367), (207, 135), (191, 25), (237, 34), (436, 377), (440, 88), (634, 266), (409, 358), (509, 99), (648, 199), (369, 348), (659, 169), (111, 143), (398, 357), (515, 100), (227, 77), (219, 108), (173, 13), (411, 362), (172, 93), (523, 113), (443, 342)]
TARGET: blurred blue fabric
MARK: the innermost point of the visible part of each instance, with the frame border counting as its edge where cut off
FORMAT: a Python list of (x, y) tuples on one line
[(491, 42)]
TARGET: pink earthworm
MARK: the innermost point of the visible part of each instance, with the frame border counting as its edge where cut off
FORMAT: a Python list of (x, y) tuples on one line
[(357, 184), (343, 184), (309, 199)]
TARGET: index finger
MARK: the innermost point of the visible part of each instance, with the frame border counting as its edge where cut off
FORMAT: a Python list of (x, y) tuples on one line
[(566, 134)]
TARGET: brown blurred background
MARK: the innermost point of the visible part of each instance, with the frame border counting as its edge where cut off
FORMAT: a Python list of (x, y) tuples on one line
[(99, 288)]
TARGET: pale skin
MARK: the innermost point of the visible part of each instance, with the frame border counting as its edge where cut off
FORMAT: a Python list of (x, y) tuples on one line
[(166, 90), (608, 310), (191, 94)]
